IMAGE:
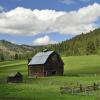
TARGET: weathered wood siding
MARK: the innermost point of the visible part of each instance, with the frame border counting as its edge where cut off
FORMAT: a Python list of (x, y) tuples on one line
[(54, 65), (35, 70)]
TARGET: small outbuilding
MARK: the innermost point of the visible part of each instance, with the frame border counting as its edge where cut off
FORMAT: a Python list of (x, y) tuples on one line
[(46, 63), (15, 78)]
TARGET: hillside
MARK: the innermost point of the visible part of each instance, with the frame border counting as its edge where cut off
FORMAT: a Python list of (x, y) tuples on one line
[(8, 47), (84, 44), (10, 50)]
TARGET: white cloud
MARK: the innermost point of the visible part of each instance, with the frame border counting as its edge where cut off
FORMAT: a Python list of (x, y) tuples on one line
[(43, 41), (22, 21), (26, 21)]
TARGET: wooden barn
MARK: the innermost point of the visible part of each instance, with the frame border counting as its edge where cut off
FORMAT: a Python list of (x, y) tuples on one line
[(15, 78), (46, 63)]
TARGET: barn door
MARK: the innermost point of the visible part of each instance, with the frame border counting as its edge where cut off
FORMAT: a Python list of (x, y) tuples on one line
[(51, 73)]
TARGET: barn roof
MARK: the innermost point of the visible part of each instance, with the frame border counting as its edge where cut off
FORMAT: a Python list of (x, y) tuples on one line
[(40, 58), (14, 74)]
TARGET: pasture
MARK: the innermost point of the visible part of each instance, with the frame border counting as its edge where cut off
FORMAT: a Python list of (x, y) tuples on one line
[(78, 69)]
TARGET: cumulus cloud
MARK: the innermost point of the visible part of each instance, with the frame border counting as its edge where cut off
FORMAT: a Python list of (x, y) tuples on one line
[(22, 21), (26, 21), (43, 41)]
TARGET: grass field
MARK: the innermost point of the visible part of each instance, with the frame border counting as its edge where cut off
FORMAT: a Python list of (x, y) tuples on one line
[(82, 69)]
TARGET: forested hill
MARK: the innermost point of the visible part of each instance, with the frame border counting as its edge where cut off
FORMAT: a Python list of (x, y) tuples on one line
[(84, 44), (10, 51)]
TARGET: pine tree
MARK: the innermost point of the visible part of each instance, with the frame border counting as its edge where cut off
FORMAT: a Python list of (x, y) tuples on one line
[(90, 49), (16, 56), (2, 57)]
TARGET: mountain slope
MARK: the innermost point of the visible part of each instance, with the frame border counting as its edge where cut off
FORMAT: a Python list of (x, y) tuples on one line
[(10, 51), (84, 44), (8, 47)]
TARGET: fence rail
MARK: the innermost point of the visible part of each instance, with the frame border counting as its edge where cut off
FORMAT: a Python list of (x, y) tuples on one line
[(79, 89)]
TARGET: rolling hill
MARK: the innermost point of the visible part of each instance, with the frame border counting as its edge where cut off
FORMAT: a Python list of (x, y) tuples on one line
[(83, 44), (8, 47), (9, 50)]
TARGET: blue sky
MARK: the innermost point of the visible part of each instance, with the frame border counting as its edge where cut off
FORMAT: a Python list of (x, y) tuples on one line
[(45, 35), (46, 4)]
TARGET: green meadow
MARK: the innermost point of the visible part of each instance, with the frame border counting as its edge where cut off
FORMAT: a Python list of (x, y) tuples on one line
[(77, 69)]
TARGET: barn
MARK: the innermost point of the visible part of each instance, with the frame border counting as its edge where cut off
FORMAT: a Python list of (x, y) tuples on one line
[(15, 78), (46, 63)]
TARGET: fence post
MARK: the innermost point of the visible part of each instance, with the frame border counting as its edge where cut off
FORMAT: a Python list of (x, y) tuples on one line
[(77, 83), (72, 91), (95, 86), (81, 88), (85, 91)]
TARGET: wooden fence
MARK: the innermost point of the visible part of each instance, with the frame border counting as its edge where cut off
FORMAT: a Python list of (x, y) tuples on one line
[(85, 89)]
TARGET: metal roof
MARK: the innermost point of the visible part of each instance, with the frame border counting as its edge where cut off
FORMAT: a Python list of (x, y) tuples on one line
[(14, 74), (40, 58)]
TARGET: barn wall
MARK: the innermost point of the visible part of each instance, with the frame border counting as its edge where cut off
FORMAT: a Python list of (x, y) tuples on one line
[(35, 70), (54, 65)]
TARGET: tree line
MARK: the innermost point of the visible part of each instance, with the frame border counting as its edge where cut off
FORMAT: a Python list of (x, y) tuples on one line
[(84, 44)]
